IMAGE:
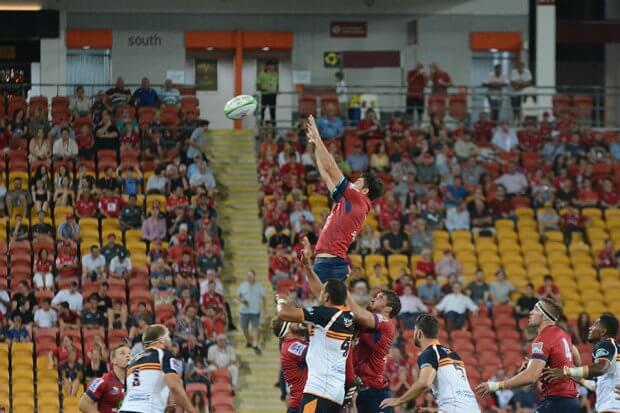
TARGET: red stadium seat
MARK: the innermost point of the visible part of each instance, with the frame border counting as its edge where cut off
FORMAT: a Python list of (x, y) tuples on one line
[(61, 102), (192, 388), (437, 105), (307, 105), (458, 106), (221, 387), (220, 375), (561, 104), (116, 337), (582, 106)]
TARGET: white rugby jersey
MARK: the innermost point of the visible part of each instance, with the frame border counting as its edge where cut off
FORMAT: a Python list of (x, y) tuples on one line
[(451, 387), (605, 397), (146, 390), (329, 346)]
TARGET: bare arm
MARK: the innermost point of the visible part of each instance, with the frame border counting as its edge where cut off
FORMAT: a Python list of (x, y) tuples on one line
[(87, 405), (287, 312), (425, 379), (328, 168), (306, 259), (362, 316), (176, 388), (530, 375)]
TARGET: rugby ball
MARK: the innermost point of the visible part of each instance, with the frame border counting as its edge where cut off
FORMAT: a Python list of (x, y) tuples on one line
[(240, 107)]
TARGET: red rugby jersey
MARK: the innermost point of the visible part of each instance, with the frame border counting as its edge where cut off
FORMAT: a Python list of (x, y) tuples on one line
[(371, 353), (294, 368), (108, 392)]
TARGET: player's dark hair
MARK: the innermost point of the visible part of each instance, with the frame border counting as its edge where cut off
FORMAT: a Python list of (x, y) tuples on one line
[(374, 185), (610, 323), (552, 306), (393, 301), (337, 291), (428, 325)]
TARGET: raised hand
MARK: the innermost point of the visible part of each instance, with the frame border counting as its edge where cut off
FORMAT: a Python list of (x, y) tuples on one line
[(312, 132), (483, 389)]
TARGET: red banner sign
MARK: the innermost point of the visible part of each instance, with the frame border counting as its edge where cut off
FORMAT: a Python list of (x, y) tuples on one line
[(348, 29)]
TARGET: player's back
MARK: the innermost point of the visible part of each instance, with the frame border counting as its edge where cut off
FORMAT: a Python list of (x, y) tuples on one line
[(451, 386), (554, 346), (146, 389), (605, 384), (329, 346)]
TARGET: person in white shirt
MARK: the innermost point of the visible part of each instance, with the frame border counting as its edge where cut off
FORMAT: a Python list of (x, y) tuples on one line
[(454, 307), (45, 316), (202, 177), (299, 215), (71, 295), (65, 148), (457, 218), (93, 264), (170, 95), (5, 300), (504, 138), (514, 181), (410, 307), (495, 83), (204, 284), (223, 356), (120, 266), (341, 92), (520, 78)]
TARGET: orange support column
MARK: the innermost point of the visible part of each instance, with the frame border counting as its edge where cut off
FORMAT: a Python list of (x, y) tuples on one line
[(238, 39)]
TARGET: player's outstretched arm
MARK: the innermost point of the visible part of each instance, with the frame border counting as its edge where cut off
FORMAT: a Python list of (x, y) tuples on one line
[(425, 379), (306, 260), (328, 168), (87, 405), (362, 315), (530, 375), (598, 368), (173, 381), (288, 312)]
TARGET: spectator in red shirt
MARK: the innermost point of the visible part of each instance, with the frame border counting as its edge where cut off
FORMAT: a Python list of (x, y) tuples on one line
[(67, 319), (500, 205), (608, 196), (177, 199), (293, 166), (586, 197), (545, 127), (416, 82), (66, 262), (369, 127), (606, 258), (573, 221), (549, 289), (529, 139), (483, 129), (110, 204), (185, 272), (441, 80), (85, 142), (86, 205), (279, 266), (425, 266)]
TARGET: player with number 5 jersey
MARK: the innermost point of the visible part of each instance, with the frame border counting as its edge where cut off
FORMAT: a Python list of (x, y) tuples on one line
[(153, 374)]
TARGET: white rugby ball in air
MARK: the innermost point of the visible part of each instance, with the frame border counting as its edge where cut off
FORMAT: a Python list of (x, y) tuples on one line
[(240, 107)]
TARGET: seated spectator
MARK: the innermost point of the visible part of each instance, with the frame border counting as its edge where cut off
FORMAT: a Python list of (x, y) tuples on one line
[(566, 194), (41, 196), (483, 128), (93, 265), (480, 214), (279, 266), (207, 260), (368, 242), (379, 160), (67, 265), (80, 104), (188, 324), (360, 293), (454, 307), (184, 271), (573, 221), (402, 381), (425, 266), (120, 265), (457, 218), (410, 307), (421, 237), (71, 374), (145, 95), (65, 148), (212, 299), (18, 332), (104, 302), (370, 126), (446, 266), (549, 289), (64, 194), (96, 367), (86, 205), (446, 288), (548, 220), (131, 215), (41, 229), (433, 216), (300, 215), (504, 138), (117, 316), (156, 184), (357, 159), (110, 204), (586, 196), (526, 302), (606, 257), (513, 180), (106, 134), (170, 95), (43, 278), (130, 178), (429, 292), (112, 248), (478, 290), (85, 143), (330, 125), (45, 316), (91, 317), (395, 241), (119, 94), (198, 373), (223, 356), (388, 209), (71, 296), (39, 148), (455, 193), (553, 148), (500, 289), (608, 196), (501, 206), (67, 318), (379, 277), (464, 148), (154, 227), (202, 177), (68, 231), (20, 230), (17, 199)]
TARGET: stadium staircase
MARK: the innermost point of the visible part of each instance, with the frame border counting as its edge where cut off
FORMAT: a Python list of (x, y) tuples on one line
[(242, 227)]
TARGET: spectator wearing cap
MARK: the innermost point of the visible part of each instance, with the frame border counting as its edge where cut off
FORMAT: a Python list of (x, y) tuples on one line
[(131, 215), (357, 159), (330, 125), (170, 95), (197, 140), (154, 227), (112, 249), (145, 95), (69, 295), (120, 265), (65, 148), (69, 230), (505, 138), (513, 180), (93, 265), (223, 356)]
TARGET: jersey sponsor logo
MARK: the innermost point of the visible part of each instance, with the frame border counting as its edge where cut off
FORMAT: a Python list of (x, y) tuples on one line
[(95, 384), (601, 352), (297, 349), (537, 348), (348, 322), (309, 310), (115, 390), (176, 365)]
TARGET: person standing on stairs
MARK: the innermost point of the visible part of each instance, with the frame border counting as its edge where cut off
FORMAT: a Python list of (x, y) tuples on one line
[(352, 202), (292, 359), (252, 297)]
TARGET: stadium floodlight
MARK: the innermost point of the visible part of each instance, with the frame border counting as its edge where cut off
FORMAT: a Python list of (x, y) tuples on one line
[(20, 7)]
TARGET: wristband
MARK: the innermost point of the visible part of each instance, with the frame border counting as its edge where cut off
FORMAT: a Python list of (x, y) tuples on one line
[(281, 301), (576, 372), (495, 386)]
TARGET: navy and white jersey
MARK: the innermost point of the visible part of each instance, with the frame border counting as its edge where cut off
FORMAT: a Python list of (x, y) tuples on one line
[(330, 343), (146, 390), (451, 387), (606, 400)]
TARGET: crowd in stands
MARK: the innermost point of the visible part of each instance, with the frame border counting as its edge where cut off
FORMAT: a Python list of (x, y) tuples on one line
[(109, 224), (478, 221)]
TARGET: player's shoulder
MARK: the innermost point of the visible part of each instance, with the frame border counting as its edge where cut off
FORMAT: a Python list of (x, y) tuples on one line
[(550, 334), (147, 356), (604, 349), (384, 324)]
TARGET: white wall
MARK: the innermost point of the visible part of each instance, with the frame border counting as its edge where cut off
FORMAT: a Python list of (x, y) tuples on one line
[(54, 62), (133, 59)]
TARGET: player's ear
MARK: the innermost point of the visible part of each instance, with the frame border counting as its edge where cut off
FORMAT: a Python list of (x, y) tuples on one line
[(364, 190)]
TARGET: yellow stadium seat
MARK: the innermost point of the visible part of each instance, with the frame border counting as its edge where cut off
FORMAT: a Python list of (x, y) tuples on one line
[(552, 247), (4, 375), (595, 309), (587, 283), (133, 235), (597, 234), (460, 236), (524, 212), (584, 271), (463, 246), (469, 268), (597, 223), (21, 348), (528, 236), (591, 295), (509, 245), (441, 235), (537, 270), (579, 246), (506, 236), (374, 281), (555, 236), (612, 213), (511, 258), (519, 282), (488, 257), (356, 260), (569, 294), (489, 269), (110, 223), (513, 270), (398, 259), (135, 246), (592, 213), (609, 273), (504, 223), (534, 258), (371, 259)]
